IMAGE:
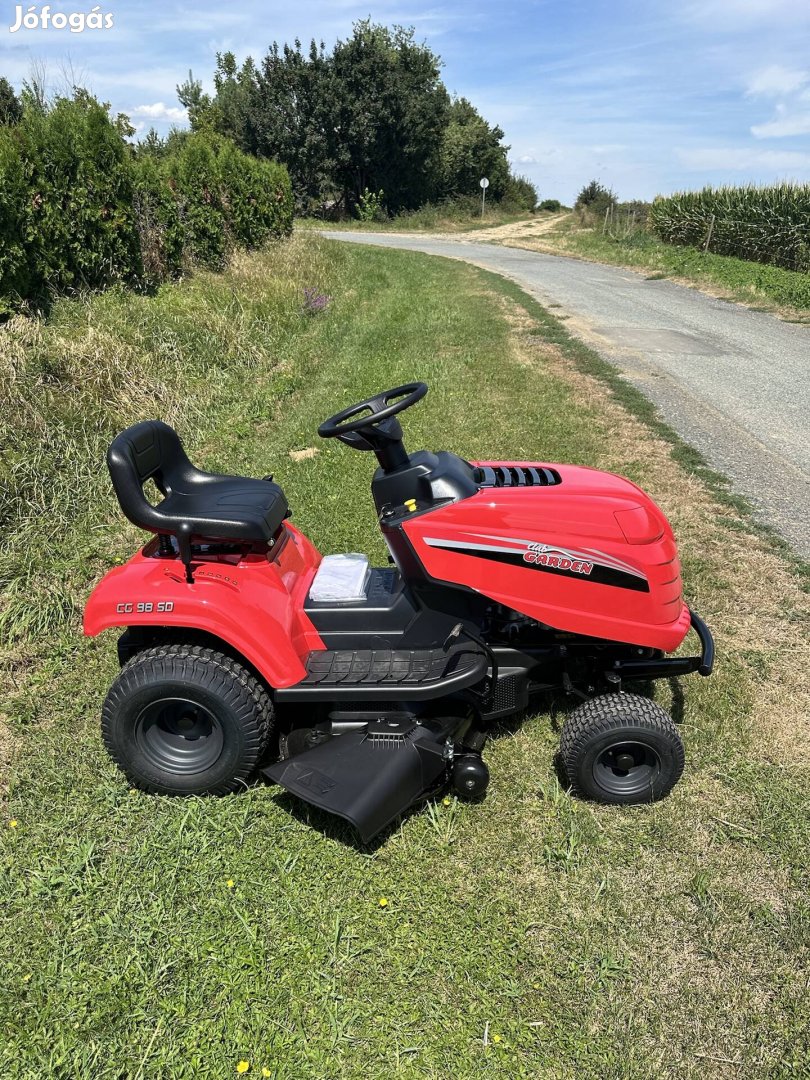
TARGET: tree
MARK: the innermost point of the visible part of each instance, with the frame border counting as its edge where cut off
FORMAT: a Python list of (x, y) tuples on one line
[(372, 115), (234, 101), (368, 116), (151, 145), (292, 118), (390, 116), (199, 104), (595, 199), (472, 148), (10, 104), (521, 193)]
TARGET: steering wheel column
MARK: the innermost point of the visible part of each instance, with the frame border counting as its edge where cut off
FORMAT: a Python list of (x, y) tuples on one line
[(372, 425), (385, 440)]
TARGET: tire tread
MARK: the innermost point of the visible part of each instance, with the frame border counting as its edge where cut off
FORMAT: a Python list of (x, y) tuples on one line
[(599, 715), (237, 686)]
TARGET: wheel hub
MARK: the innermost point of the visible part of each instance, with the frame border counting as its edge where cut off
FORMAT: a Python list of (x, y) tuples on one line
[(179, 735), (627, 768), (187, 724)]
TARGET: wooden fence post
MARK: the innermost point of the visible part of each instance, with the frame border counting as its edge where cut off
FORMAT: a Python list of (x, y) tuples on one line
[(709, 235)]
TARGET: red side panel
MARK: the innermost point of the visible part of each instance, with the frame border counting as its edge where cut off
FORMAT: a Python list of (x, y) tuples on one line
[(255, 605), (593, 555)]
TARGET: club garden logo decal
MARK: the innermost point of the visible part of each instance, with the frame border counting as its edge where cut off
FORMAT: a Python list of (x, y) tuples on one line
[(592, 565), (557, 559), (36, 17)]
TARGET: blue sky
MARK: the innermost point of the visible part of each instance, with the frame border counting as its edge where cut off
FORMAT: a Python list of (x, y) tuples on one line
[(648, 97)]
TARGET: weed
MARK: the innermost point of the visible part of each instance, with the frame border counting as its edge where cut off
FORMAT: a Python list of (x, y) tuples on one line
[(314, 301)]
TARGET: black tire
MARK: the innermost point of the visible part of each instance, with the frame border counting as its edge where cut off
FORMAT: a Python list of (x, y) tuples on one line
[(621, 749), (185, 720)]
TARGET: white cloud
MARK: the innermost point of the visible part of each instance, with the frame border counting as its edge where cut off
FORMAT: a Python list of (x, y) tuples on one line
[(777, 81), (160, 111), (787, 122), (527, 159), (789, 89), (743, 159)]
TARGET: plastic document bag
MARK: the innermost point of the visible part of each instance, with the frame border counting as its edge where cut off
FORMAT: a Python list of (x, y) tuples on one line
[(340, 578)]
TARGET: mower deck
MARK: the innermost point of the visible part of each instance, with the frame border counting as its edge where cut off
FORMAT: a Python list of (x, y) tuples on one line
[(368, 777)]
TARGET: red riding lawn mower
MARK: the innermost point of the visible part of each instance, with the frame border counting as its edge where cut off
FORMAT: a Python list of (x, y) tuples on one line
[(382, 684)]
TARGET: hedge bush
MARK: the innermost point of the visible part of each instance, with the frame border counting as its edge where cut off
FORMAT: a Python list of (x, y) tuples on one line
[(258, 199), (14, 197), (81, 209), (158, 218), (194, 178)]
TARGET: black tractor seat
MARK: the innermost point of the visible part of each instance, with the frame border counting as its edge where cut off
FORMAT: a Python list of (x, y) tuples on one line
[(197, 505)]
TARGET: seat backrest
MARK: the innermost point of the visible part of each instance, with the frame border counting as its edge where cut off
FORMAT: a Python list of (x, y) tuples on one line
[(148, 450)]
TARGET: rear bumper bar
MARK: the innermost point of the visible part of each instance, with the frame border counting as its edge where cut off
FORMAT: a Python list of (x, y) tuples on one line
[(673, 665)]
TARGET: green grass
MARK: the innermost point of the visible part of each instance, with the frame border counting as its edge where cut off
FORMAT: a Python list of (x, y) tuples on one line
[(738, 279), (594, 943)]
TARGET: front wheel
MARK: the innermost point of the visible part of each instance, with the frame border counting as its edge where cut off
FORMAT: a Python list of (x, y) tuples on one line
[(185, 720), (621, 749)]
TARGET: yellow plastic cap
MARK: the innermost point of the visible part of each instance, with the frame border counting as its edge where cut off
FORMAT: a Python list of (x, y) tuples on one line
[(410, 504)]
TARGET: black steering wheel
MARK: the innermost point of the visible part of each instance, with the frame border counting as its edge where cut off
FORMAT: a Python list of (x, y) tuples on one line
[(373, 410)]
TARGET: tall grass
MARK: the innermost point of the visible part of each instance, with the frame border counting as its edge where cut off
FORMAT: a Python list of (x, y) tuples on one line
[(763, 224), (70, 383)]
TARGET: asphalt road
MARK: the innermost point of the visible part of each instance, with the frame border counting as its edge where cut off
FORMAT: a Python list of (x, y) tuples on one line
[(734, 383)]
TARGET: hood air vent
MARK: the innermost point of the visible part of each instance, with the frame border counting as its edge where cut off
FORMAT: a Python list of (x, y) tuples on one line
[(516, 476)]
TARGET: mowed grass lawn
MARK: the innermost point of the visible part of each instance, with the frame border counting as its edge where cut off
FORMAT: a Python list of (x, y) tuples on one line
[(530, 936)]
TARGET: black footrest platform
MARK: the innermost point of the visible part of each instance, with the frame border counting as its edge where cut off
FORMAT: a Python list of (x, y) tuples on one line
[(385, 674)]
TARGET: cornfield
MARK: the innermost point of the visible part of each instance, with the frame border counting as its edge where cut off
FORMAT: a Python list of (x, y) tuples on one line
[(763, 224)]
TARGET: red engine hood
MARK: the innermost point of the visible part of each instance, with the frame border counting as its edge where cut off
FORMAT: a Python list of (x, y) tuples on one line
[(591, 555)]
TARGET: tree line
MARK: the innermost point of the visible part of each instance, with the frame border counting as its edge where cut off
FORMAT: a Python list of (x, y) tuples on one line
[(369, 119), (367, 128)]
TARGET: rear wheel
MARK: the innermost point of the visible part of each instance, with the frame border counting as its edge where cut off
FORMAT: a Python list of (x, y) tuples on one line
[(182, 719), (621, 749)]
